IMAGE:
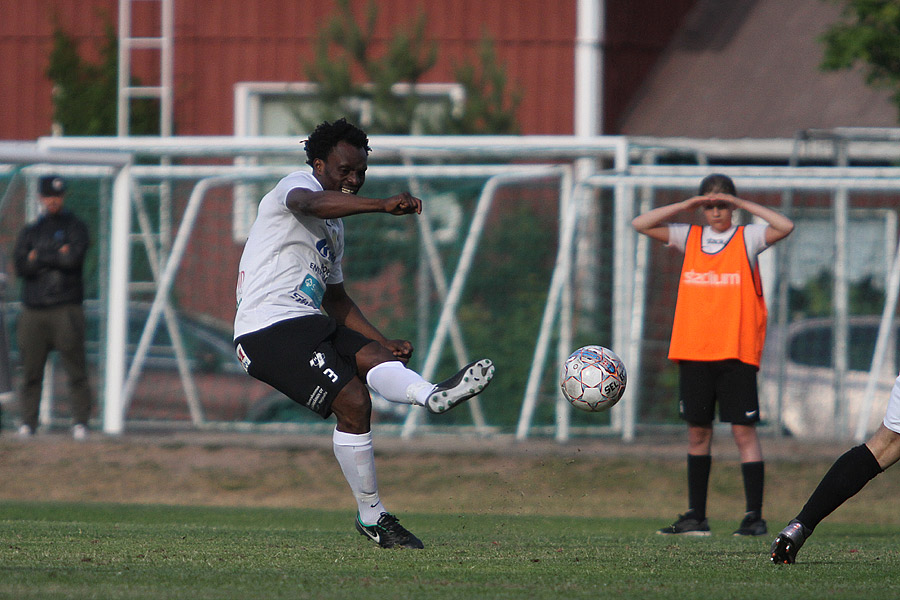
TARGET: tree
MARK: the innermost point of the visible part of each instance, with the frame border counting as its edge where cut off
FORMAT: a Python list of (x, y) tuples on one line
[(344, 48), (85, 94), (868, 35), (489, 107)]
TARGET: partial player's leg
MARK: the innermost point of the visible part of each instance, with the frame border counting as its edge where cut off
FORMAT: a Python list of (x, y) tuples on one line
[(697, 400), (699, 464), (34, 345), (354, 452), (753, 475), (397, 383), (847, 476), (737, 390)]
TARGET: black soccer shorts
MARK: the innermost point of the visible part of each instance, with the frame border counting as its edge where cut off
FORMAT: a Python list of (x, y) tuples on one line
[(308, 359), (729, 383)]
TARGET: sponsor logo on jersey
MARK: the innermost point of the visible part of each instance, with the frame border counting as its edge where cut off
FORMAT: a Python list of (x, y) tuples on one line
[(316, 398), (317, 361), (324, 249), (711, 278), (310, 292), (319, 269), (239, 289), (242, 356)]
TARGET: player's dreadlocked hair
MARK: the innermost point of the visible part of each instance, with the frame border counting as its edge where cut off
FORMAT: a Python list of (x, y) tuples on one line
[(327, 135), (717, 183)]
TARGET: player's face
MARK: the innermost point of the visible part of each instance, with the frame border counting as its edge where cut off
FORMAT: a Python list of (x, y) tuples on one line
[(344, 170), (718, 214)]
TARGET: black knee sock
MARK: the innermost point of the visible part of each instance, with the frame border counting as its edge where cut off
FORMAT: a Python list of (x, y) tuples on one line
[(754, 479), (849, 474), (698, 468)]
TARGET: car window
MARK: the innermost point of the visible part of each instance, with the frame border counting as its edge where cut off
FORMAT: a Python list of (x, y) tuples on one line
[(813, 346)]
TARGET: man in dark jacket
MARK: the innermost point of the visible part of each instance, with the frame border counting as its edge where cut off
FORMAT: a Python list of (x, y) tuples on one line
[(49, 256)]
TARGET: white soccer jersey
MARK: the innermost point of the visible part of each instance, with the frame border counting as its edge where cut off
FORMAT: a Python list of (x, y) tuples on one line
[(892, 414), (711, 241), (287, 261)]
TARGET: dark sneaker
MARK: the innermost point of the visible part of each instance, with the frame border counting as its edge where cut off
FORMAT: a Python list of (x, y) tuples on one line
[(753, 524), (388, 533), (687, 524), (788, 542), (470, 381)]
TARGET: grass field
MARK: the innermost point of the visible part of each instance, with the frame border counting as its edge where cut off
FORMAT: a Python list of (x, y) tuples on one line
[(208, 520), (126, 552)]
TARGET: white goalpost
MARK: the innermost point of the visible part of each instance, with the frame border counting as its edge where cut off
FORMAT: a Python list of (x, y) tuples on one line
[(605, 177)]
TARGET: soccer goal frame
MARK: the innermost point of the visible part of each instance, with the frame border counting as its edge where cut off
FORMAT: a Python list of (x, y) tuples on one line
[(620, 167)]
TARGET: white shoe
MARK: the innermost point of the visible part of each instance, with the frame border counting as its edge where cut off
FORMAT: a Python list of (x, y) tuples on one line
[(25, 431), (79, 432), (470, 381)]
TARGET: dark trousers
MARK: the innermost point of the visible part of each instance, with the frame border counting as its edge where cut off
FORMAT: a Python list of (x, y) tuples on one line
[(41, 330)]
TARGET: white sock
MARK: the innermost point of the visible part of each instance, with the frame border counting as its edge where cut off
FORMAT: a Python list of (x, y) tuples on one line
[(356, 456), (398, 384)]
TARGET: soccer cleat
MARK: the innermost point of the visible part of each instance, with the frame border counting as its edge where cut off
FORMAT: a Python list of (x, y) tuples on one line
[(470, 381), (687, 524), (388, 533), (788, 542), (752, 524)]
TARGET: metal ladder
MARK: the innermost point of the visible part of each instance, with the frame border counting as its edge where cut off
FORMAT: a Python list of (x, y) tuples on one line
[(155, 244)]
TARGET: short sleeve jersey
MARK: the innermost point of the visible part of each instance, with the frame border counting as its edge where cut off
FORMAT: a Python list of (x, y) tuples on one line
[(711, 242), (287, 261)]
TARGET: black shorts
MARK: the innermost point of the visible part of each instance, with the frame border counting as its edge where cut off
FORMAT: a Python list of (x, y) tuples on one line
[(308, 359), (730, 383)]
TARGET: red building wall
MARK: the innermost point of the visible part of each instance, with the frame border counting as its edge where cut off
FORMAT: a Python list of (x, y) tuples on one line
[(218, 44)]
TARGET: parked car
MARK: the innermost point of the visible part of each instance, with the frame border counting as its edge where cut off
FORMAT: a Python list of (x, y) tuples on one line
[(225, 391), (809, 406)]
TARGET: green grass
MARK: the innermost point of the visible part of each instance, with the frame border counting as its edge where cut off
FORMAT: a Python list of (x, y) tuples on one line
[(106, 551)]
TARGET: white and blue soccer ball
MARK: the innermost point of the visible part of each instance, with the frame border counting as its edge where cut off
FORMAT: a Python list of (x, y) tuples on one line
[(593, 378)]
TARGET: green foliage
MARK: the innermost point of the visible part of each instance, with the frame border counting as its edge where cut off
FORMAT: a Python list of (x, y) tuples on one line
[(504, 303), (489, 107), (814, 299), (345, 50), (869, 35), (85, 94)]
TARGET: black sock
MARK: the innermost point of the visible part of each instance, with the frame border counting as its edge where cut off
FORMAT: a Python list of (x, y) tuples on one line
[(698, 468), (849, 474), (754, 478)]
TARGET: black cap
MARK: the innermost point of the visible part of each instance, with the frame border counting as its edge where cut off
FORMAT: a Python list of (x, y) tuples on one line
[(52, 185)]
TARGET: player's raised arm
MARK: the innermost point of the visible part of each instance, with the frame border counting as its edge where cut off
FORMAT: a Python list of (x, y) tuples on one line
[(653, 222), (328, 204)]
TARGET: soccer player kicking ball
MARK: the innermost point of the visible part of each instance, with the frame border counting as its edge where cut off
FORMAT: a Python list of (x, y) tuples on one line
[(290, 272), (848, 475)]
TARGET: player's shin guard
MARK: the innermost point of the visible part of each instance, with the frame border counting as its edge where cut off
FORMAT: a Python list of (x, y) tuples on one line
[(356, 456)]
